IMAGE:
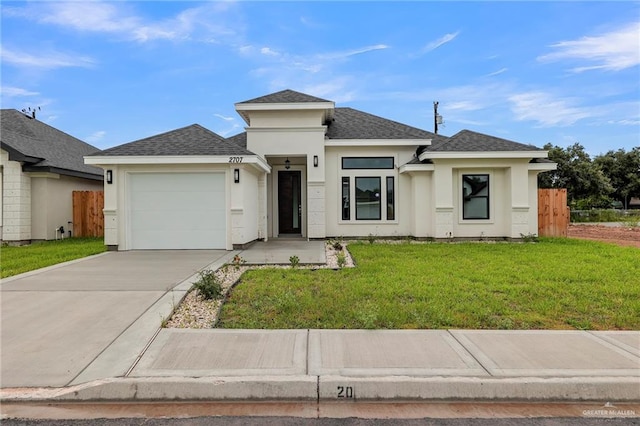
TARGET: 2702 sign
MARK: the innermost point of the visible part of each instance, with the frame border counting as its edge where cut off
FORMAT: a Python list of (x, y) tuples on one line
[(235, 160)]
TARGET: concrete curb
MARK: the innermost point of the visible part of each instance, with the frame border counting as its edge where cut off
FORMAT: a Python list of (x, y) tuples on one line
[(480, 388), (337, 388), (176, 389)]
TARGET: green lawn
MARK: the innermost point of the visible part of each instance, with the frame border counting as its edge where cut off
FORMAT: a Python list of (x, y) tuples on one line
[(553, 284), (16, 260)]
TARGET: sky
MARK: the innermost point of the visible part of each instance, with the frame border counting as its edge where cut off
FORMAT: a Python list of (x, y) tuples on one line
[(111, 72)]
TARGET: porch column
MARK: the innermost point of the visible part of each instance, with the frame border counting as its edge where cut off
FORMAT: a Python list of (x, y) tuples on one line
[(444, 191), (316, 225), (519, 201)]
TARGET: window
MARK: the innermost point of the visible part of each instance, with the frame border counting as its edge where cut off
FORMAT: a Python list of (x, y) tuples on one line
[(358, 163), (391, 214), (368, 184), (368, 198), (346, 199), (475, 196)]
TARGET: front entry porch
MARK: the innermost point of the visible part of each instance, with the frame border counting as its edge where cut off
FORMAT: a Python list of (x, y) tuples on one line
[(277, 251)]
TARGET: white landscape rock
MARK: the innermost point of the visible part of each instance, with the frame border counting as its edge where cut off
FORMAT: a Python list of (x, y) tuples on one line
[(196, 312)]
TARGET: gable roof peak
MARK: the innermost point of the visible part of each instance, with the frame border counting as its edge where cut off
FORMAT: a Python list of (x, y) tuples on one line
[(284, 97), (471, 141), (194, 140)]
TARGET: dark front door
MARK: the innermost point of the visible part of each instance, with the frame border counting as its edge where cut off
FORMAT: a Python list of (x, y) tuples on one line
[(289, 202)]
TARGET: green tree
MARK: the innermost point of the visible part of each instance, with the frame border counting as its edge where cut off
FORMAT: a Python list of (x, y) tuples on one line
[(587, 185), (623, 170)]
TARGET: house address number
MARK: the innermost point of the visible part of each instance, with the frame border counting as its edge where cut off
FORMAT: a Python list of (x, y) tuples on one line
[(345, 392), (235, 159)]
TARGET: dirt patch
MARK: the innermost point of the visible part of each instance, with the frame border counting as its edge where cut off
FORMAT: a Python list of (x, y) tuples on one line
[(621, 235)]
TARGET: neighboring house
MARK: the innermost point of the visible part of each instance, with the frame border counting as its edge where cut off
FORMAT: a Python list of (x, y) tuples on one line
[(307, 168), (41, 167)]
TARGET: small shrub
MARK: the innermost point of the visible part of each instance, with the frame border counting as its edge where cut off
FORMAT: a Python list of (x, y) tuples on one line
[(529, 238), (342, 260), (337, 246), (238, 261), (294, 260), (371, 238), (208, 286)]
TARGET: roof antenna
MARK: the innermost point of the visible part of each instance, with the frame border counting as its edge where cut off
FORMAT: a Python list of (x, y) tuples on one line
[(30, 112), (437, 119)]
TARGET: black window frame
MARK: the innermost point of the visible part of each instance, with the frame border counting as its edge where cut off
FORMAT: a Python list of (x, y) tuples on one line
[(389, 166), (466, 198), (379, 196), (346, 198), (391, 198)]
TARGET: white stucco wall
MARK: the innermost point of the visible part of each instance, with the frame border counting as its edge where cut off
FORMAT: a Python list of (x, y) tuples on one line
[(512, 212), (245, 211), (16, 201), (52, 202), (401, 225)]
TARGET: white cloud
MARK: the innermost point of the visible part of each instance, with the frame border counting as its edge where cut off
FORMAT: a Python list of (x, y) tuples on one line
[(225, 118), (625, 122), (87, 16), (500, 71), (440, 41), (269, 52), (353, 52), (48, 60), (335, 90), (203, 22), (95, 136), (612, 51), (16, 91), (547, 110), (230, 131)]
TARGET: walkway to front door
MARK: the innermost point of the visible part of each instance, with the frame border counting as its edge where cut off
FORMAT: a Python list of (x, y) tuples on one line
[(278, 251)]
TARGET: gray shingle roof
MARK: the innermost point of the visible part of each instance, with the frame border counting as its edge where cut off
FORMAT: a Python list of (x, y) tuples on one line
[(240, 139), (466, 140), (190, 140), (350, 123), (283, 97), (44, 148)]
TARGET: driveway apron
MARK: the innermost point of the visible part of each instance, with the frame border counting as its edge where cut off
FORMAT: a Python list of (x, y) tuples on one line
[(56, 321)]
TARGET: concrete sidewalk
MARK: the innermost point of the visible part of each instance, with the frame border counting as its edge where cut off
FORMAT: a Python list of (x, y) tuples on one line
[(352, 365)]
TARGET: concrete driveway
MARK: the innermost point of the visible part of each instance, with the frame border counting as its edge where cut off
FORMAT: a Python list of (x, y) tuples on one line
[(57, 322)]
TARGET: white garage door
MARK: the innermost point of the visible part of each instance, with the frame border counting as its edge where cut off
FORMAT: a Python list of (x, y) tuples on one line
[(178, 211)]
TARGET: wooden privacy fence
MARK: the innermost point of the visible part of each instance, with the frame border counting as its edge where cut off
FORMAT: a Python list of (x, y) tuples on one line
[(553, 213), (88, 218)]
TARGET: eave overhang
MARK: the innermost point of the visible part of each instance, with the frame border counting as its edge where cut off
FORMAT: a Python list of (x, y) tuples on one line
[(434, 155), (376, 142), (253, 160), (416, 168), (244, 109), (543, 167)]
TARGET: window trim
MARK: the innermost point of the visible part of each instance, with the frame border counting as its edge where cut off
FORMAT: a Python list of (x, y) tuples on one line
[(390, 190), (391, 166), (345, 207), (355, 187), (487, 197)]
